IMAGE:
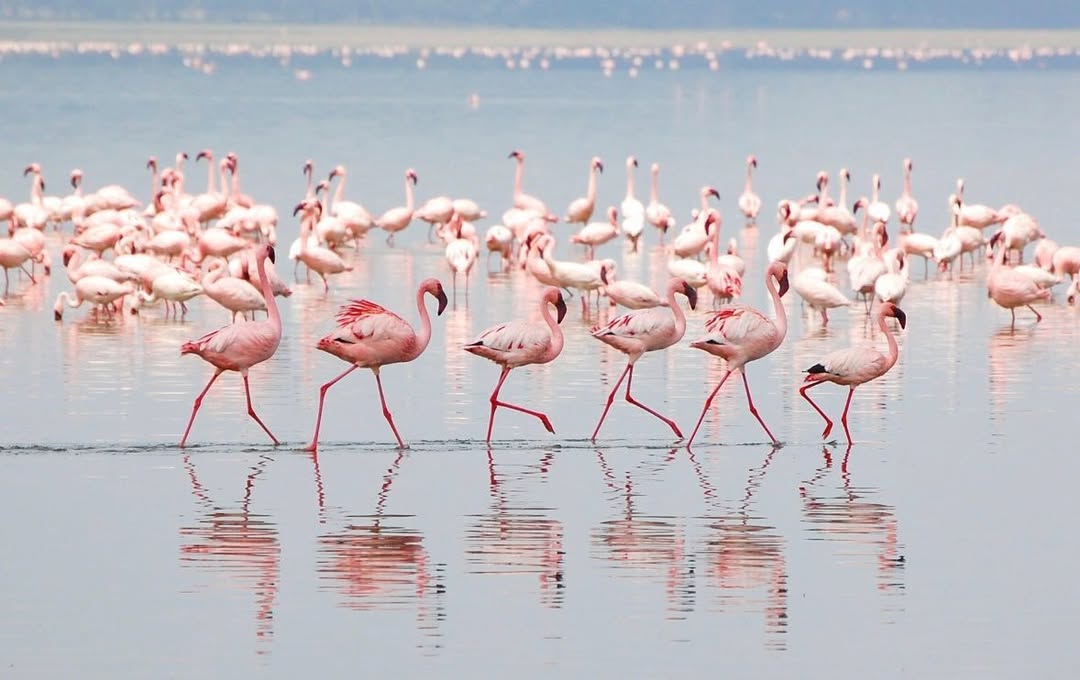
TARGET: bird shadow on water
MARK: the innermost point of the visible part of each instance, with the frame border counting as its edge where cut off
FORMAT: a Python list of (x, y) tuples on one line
[(241, 545), (850, 515)]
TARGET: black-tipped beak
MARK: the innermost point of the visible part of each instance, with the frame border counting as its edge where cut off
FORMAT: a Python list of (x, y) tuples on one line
[(691, 294), (783, 284), (635, 163), (43, 185), (75, 182), (67, 257), (201, 155), (603, 275), (513, 154), (28, 170), (440, 295), (298, 208), (270, 254), (560, 309), (715, 194), (900, 316), (753, 162), (152, 163), (884, 237), (600, 167), (788, 236)]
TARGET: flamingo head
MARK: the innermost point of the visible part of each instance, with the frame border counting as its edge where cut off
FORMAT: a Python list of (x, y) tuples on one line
[(690, 292), (597, 164), (554, 296), (434, 288), (631, 162), (410, 175), (846, 174), (861, 203), (603, 275), (338, 171), (518, 155), (751, 160), (959, 186), (998, 235), (778, 271), (76, 178), (304, 205), (267, 251), (822, 180), (323, 185), (33, 167), (889, 309), (205, 153), (907, 164), (232, 157), (612, 214), (67, 253), (151, 163)]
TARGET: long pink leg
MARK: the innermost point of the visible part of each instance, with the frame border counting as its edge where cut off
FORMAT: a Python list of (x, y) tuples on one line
[(314, 445), (847, 405), (325, 284), (610, 399), (385, 410), (750, 401), (495, 403), (708, 403), (1013, 324), (1038, 317), (198, 403), (251, 411), (670, 423), (828, 423)]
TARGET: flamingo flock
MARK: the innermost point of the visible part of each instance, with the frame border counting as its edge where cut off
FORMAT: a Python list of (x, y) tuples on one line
[(220, 243)]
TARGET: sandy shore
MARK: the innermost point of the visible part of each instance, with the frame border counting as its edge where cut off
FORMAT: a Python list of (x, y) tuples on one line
[(327, 36)]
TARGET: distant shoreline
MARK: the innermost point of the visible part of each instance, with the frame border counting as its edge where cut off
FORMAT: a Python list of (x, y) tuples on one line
[(327, 36)]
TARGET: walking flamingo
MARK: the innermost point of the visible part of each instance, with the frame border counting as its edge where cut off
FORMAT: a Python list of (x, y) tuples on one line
[(521, 343), (581, 209), (239, 346), (369, 336), (749, 202), (854, 366), (740, 334), (641, 331)]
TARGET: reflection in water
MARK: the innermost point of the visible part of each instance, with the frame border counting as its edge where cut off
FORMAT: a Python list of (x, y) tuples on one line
[(747, 561), (642, 546), (376, 566), (238, 544), (848, 517), (518, 540), (1007, 361)]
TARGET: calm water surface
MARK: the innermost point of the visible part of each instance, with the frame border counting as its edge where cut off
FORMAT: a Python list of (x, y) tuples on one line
[(938, 545)]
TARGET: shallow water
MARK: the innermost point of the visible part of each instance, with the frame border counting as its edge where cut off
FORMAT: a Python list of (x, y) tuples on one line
[(937, 545)]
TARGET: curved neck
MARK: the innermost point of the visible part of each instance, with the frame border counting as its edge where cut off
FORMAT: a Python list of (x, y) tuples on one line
[(778, 305), (676, 309), (749, 188), (894, 350), (654, 186), (339, 193), (408, 194), (556, 332), (424, 336), (630, 181), (590, 194), (907, 182), (268, 295)]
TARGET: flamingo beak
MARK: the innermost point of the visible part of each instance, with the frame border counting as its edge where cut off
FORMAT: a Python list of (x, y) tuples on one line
[(783, 283), (67, 256), (514, 154), (28, 170), (270, 254), (560, 308), (900, 316), (788, 236), (298, 208), (151, 163), (753, 162), (600, 167), (440, 295), (201, 155), (691, 294), (714, 193), (603, 275), (74, 182)]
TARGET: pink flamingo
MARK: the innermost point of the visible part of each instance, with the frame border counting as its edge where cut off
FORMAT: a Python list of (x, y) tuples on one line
[(641, 331), (369, 336), (239, 346), (740, 334), (520, 343), (854, 366)]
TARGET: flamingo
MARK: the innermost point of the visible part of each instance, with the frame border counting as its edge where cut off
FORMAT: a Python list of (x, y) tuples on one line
[(522, 200), (839, 216), (907, 208), (436, 210), (461, 254), (239, 346), (236, 197), (633, 212), (369, 336), (892, 285), (237, 295), (468, 209), (499, 239), (630, 294), (320, 260), (641, 331), (577, 275), (358, 221), (740, 334), (99, 290), (174, 288), (749, 202), (521, 343), (13, 254), (878, 209), (1011, 289), (813, 287), (854, 366), (396, 219), (581, 209), (658, 214), (598, 233), (976, 214)]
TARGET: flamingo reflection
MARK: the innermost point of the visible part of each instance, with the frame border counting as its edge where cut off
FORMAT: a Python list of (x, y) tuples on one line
[(376, 566), (850, 517), (518, 540), (235, 542), (645, 545)]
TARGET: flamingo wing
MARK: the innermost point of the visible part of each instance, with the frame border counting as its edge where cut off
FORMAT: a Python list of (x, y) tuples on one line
[(853, 363), (738, 323), (513, 336), (635, 324)]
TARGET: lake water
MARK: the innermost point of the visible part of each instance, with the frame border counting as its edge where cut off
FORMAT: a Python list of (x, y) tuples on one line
[(936, 546)]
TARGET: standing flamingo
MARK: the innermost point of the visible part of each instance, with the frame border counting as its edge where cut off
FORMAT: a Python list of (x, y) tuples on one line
[(522, 200), (749, 202), (520, 343), (581, 209), (854, 366), (740, 334), (396, 219), (641, 331), (907, 208), (239, 346), (658, 214), (369, 336)]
